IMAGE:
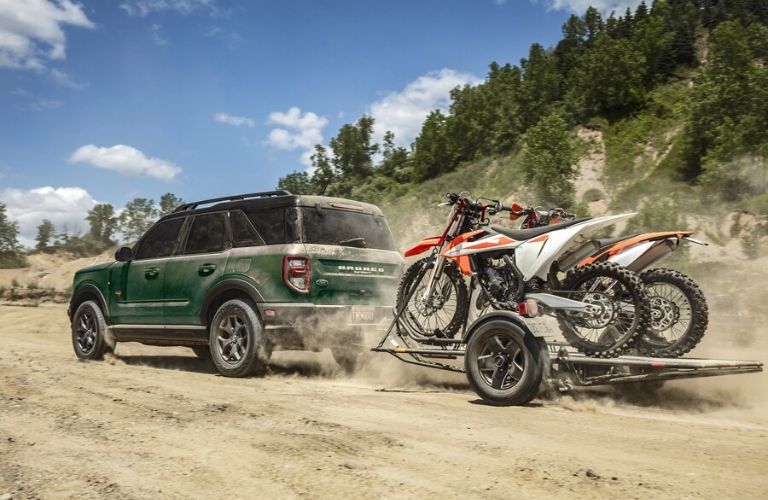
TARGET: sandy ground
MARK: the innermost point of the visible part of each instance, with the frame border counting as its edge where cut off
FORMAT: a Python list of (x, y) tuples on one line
[(159, 423)]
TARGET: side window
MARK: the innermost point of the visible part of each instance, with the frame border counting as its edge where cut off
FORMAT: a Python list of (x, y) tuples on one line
[(160, 240), (207, 234), (270, 223), (243, 233)]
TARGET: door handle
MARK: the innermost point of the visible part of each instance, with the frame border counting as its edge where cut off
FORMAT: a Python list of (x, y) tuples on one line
[(206, 269), (151, 273)]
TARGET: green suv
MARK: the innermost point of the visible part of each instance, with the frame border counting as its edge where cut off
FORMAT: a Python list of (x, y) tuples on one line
[(234, 278)]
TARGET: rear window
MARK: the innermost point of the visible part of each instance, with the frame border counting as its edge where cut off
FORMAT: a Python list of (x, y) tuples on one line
[(325, 226)]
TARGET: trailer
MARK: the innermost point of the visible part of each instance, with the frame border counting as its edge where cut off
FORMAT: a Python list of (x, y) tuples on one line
[(563, 367)]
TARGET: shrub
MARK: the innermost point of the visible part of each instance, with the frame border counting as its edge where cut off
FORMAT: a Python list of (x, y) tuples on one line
[(592, 194)]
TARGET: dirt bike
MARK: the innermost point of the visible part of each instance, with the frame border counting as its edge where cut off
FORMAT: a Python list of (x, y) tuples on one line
[(602, 305), (679, 313)]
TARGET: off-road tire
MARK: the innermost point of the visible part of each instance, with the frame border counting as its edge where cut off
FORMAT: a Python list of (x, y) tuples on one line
[(527, 387), (632, 283), (654, 346), (413, 277), (253, 359), (89, 332), (202, 351)]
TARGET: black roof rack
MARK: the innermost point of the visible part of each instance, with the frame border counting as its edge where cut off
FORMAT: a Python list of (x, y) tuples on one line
[(263, 194)]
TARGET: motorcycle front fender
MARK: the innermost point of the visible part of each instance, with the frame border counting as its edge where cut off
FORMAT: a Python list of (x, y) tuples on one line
[(422, 246)]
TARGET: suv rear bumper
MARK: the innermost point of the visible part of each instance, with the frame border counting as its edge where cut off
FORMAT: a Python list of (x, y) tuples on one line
[(284, 315), (311, 325)]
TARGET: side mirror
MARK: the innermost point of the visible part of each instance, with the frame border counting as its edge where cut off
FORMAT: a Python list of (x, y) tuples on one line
[(124, 254)]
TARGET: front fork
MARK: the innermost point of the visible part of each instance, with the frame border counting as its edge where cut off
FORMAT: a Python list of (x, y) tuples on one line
[(434, 274)]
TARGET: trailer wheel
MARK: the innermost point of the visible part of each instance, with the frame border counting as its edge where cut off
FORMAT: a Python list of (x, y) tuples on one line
[(503, 363)]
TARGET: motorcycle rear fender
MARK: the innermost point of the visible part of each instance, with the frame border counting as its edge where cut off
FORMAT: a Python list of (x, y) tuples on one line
[(422, 246), (612, 252)]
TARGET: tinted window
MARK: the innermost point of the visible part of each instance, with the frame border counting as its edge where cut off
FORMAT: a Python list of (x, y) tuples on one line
[(160, 240), (243, 233), (270, 223), (340, 227), (207, 234)]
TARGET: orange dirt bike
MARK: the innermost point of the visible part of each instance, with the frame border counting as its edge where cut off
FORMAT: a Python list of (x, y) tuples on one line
[(603, 306), (679, 313)]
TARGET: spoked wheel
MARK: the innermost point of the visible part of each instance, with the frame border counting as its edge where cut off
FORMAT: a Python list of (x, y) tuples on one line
[(503, 363), (89, 330), (441, 314), (679, 314), (236, 340), (619, 312)]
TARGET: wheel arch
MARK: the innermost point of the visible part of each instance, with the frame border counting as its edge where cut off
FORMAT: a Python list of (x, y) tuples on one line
[(225, 290), (85, 292)]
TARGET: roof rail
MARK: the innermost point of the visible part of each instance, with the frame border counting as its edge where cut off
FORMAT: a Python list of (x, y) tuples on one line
[(263, 194)]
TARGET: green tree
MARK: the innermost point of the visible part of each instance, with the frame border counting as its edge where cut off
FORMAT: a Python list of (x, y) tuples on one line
[(549, 161), (540, 86), (611, 77), (9, 232), (729, 110), (395, 163), (138, 216), (103, 222), (45, 232), (353, 148), (296, 183), (432, 155), (168, 203), (324, 174)]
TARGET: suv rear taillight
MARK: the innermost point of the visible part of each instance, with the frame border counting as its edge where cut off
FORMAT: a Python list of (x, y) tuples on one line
[(296, 273)]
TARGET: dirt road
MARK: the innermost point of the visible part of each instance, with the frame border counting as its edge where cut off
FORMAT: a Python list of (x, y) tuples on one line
[(159, 423)]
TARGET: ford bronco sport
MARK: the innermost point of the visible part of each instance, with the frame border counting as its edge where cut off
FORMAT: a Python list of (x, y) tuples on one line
[(236, 277)]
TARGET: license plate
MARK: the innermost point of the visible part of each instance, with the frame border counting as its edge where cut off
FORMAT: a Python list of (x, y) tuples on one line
[(363, 315)]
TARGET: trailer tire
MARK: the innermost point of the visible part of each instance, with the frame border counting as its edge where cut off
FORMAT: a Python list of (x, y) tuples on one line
[(504, 363)]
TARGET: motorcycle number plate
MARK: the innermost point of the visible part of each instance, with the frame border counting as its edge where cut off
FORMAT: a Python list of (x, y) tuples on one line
[(363, 314)]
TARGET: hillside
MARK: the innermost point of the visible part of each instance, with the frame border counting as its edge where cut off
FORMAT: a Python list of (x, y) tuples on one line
[(661, 110)]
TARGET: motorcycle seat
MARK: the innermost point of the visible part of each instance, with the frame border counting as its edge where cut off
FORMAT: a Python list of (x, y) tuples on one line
[(527, 234)]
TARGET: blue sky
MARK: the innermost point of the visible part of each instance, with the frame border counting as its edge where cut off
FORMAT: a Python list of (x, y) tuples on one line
[(106, 100)]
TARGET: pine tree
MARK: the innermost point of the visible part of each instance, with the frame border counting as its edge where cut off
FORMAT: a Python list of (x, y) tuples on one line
[(45, 232)]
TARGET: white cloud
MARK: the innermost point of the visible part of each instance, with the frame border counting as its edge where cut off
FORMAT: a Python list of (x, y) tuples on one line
[(237, 121), (404, 112), (62, 206), (125, 160), (185, 7), (41, 104), (158, 34), (296, 130), (31, 31), (604, 6), (63, 79)]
